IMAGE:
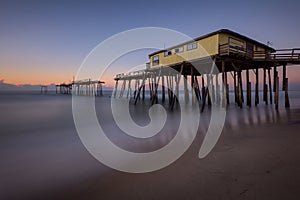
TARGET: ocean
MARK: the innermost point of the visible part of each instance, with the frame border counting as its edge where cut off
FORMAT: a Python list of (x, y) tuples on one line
[(42, 156)]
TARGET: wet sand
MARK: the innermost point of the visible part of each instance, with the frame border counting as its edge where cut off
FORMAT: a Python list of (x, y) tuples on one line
[(42, 157)]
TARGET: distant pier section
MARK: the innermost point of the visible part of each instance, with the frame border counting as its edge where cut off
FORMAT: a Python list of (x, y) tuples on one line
[(85, 87)]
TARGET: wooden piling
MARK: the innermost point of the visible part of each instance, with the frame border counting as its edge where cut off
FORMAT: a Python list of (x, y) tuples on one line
[(276, 92), (270, 85), (283, 77), (248, 88), (163, 89), (256, 87), (286, 88), (186, 92)]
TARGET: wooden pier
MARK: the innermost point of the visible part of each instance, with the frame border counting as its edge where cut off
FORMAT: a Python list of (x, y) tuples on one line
[(232, 54), (85, 87)]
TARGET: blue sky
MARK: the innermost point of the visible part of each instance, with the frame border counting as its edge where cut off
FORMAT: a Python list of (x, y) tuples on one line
[(46, 41)]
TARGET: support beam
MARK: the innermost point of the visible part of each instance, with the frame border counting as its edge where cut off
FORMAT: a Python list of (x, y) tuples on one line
[(270, 85), (283, 77), (256, 87), (287, 101)]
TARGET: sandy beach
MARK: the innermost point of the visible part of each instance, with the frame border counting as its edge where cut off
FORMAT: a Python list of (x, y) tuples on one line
[(42, 157)]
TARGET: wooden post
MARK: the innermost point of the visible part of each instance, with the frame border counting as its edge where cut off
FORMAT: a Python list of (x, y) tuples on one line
[(256, 88), (240, 87), (116, 88), (129, 89), (274, 77), (287, 101), (270, 85), (217, 89), (283, 77), (248, 89), (227, 89), (235, 88), (203, 90), (143, 93), (192, 85), (186, 92), (265, 87), (208, 92), (276, 92), (163, 89), (223, 85), (197, 89)]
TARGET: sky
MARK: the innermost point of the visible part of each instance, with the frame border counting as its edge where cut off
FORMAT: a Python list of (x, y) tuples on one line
[(44, 42)]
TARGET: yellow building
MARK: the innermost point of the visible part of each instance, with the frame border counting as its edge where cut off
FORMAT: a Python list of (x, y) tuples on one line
[(219, 43)]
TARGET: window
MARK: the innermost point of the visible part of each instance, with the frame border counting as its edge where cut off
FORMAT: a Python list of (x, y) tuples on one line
[(168, 53), (155, 60), (179, 50), (191, 46)]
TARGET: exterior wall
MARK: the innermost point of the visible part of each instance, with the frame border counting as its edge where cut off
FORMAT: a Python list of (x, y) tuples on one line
[(209, 44)]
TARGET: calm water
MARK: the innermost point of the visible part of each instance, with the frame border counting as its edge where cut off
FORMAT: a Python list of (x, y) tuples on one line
[(42, 155)]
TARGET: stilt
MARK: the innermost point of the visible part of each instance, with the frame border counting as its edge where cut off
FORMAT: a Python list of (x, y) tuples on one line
[(270, 85), (116, 88), (163, 89), (276, 92), (256, 87), (223, 85), (129, 89), (274, 77), (143, 92), (227, 89), (217, 90), (248, 89), (286, 88), (208, 92), (283, 77), (240, 87), (203, 90), (186, 92), (265, 95), (235, 87)]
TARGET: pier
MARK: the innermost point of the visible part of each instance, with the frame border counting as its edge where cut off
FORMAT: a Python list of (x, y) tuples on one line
[(232, 54), (85, 87)]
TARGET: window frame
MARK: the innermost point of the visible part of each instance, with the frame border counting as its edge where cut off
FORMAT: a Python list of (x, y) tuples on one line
[(193, 47), (155, 62), (178, 49), (167, 51)]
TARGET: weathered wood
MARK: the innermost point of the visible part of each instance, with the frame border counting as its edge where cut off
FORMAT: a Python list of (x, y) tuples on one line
[(256, 87), (287, 101), (218, 98), (129, 89), (186, 92), (240, 86), (265, 94), (208, 92), (248, 88), (270, 85), (276, 92), (274, 77), (223, 85), (205, 94), (283, 77), (163, 89), (116, 88), (235, 87)]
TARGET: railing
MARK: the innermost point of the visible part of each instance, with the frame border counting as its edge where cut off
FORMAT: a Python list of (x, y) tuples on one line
[(228, 49), (134, 73), (280, 54)]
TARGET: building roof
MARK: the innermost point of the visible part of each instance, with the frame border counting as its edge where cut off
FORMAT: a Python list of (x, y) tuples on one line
[(214, 33)]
